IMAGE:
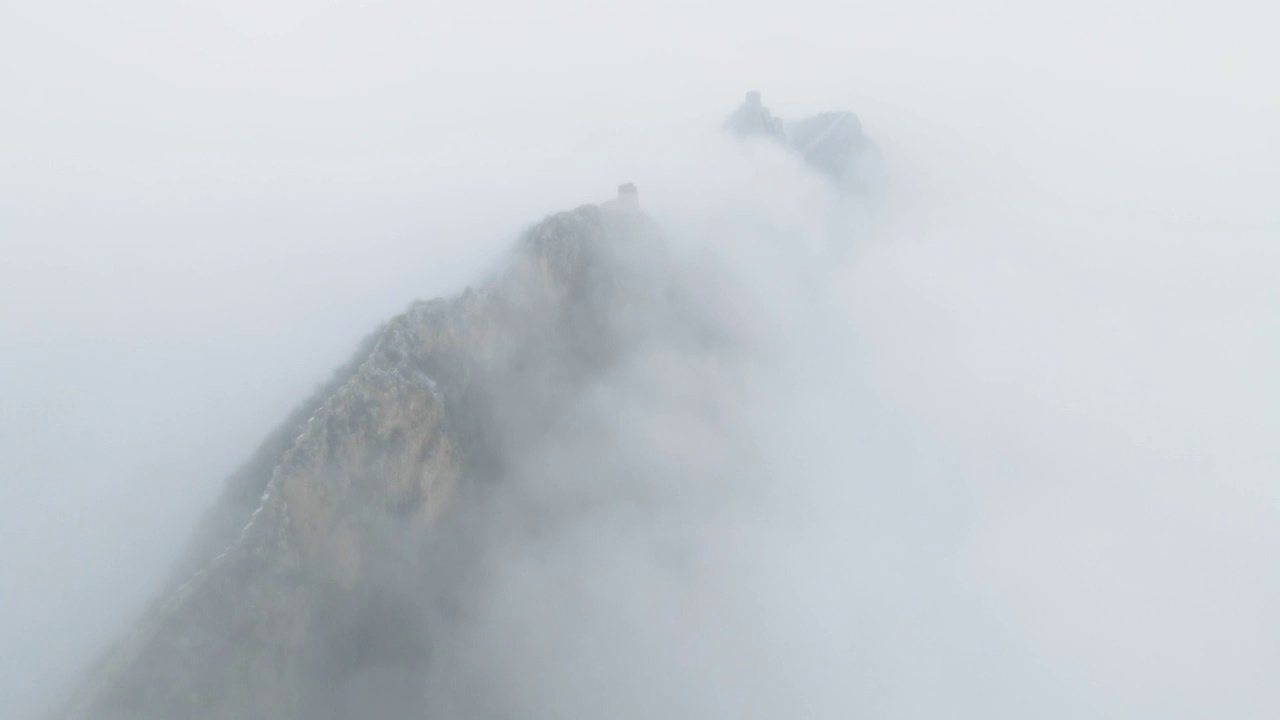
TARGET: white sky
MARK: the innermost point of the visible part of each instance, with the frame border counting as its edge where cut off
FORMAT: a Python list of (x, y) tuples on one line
[(204, 205)]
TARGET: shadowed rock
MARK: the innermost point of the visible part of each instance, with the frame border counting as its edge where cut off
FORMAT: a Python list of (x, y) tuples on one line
[(753, 118), (329, 587), (831, 143)]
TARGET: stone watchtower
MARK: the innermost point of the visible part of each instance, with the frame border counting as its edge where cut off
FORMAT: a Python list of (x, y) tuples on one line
[(628, 196)]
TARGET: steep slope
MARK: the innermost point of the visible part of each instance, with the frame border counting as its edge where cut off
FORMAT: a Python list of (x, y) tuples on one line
[(334, 577), (324, 581), (832, 143), (753, 118)]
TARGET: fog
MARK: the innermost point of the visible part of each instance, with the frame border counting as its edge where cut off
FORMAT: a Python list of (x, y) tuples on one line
[(1011, 442)]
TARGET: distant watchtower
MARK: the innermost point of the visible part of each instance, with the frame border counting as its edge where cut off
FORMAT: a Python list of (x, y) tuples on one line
[(628, 196), (753, 98)]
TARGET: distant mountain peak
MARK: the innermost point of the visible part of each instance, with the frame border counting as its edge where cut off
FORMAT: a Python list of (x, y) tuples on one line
[(753, 118), (339, 553), (832, 143)]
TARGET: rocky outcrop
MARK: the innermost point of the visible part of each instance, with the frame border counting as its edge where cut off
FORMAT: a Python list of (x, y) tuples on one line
[(320, 586), (831, 143), (325, 582), (753, 118)]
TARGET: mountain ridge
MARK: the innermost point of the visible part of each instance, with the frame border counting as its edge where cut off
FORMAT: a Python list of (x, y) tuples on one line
[(375, 462), (333, 561)]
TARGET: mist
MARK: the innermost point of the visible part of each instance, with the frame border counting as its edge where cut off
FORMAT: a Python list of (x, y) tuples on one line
[(1001, 449)]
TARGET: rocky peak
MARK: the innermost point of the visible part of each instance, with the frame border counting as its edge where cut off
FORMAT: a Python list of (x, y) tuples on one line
[(830, 142), (753, 118), (313, 575), (333, 561)]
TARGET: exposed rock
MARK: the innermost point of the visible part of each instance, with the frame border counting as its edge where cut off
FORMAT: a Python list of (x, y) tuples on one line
[(831, 142), (628, 196), (753, 118), (329, 571), (318, 593)]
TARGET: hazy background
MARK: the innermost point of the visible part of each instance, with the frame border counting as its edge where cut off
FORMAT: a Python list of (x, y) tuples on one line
[(1073, 305)]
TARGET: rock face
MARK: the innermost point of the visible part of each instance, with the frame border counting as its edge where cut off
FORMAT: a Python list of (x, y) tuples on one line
[(327, 580), (753, 118), (831, 142), (304, 586)]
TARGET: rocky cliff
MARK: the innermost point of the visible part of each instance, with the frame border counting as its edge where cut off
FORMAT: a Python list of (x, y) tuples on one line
[(329, 578), (321, 581), (831, 143)]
